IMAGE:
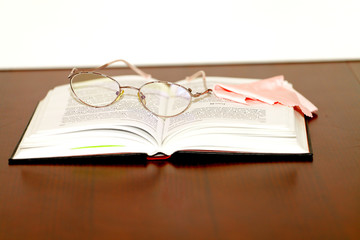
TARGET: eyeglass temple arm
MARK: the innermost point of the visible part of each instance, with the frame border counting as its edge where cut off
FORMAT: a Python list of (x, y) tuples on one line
[(132, 67), (203, 75)]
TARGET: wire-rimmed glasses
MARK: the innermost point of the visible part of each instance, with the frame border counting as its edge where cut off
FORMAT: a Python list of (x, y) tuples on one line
[(98, 90)]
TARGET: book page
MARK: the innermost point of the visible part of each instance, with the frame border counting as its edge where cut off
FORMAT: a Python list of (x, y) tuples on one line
[(212, 123), (65, 113), (209, 108), (61, 123)]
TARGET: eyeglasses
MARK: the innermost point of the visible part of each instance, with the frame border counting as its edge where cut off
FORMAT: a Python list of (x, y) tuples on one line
[(98, 90)]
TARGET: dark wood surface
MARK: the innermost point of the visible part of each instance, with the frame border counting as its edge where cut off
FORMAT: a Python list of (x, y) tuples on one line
[(260, 200)]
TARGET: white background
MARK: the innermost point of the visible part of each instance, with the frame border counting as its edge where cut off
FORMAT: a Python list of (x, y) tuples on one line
[(67, 33)]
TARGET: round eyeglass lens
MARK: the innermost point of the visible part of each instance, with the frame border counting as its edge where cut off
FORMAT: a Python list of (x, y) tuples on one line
[(165, 99), (94, 89)]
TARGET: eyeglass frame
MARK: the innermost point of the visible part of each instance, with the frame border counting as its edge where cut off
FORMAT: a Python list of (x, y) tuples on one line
[(75, 71)]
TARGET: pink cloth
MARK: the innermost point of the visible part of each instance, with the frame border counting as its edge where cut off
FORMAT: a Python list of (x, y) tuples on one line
[(272, 90)]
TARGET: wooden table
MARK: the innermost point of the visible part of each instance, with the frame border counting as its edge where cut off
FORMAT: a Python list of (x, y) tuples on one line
[(260, 200)]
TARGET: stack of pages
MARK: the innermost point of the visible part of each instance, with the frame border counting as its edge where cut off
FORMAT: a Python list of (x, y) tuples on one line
[(62, 128)]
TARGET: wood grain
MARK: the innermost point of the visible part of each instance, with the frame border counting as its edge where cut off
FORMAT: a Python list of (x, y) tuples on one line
[(165, 200)]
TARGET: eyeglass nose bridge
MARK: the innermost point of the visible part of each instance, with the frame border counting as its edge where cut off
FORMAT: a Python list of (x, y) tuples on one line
[(131, 87)]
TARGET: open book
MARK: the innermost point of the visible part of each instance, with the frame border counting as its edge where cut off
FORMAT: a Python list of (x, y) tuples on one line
[(61, 127)]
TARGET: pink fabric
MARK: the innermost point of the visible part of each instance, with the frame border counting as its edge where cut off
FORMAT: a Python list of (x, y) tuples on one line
[(272, 90)]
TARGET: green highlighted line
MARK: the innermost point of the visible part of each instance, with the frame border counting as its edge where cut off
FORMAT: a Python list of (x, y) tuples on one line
[(98, 146)]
